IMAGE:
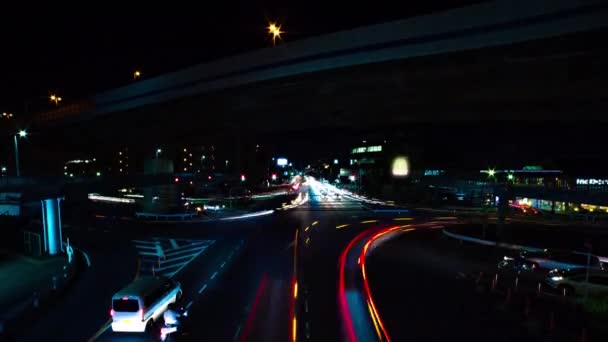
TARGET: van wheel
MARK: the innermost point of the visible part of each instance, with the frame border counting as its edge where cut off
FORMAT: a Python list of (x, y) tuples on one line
[(150, 327)]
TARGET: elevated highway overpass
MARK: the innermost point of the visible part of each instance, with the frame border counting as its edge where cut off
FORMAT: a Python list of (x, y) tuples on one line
[(501, 62), (401, 67)]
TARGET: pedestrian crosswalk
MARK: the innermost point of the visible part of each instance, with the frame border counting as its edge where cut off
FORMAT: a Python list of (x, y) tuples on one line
[(326, 203), (168, 256)]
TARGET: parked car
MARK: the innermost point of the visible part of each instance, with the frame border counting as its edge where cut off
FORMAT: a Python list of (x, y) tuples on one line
[(561, 260), (570, 282)]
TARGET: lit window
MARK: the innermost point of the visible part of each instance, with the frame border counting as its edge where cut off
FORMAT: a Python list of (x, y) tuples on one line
[(185, 159), (185, 149), (185, 169)]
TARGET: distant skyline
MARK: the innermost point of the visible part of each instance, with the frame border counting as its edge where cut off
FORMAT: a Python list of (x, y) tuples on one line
[(77, 52)]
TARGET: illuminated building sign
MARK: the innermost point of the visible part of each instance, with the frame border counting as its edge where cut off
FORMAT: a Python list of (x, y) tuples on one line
[(591, 181), (344, 172), (367, 149), (281, 161), (401, 167), (433, 172)]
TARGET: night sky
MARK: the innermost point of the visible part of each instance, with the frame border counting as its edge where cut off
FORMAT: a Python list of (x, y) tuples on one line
[(78, 51)]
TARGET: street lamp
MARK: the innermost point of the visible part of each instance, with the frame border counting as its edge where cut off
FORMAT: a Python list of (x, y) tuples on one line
[(136, 74), (275, 31), (158, 151), (22, 134), (56, 99)]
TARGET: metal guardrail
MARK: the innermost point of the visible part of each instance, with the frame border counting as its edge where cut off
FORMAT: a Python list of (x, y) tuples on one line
[(506, 245), (491, 243)]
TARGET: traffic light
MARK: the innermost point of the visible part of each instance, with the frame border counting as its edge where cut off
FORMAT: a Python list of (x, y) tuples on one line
[(243, 178), (274, 176)]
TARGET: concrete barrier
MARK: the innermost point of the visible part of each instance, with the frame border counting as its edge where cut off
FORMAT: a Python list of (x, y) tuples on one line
[(155, 216)]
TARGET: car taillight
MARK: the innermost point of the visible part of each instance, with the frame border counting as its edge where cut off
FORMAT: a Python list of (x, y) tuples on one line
[(141, 314), (112, 312), (533, 266)]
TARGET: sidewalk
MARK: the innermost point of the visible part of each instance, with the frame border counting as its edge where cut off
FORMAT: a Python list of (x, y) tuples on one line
[(28, 284), (21, 276)]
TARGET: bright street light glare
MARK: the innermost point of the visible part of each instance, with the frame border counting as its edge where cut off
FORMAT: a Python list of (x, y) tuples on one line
[(22, 133), (275, 31)]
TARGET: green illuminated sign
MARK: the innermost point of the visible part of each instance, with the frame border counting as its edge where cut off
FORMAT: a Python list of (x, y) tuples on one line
[(367, 149), (532, 167)]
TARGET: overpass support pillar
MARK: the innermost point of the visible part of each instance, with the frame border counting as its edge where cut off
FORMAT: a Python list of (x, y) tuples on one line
[(51, 225)]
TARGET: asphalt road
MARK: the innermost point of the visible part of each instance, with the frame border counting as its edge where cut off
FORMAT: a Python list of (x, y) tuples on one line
[(293, 274), (421, 296)]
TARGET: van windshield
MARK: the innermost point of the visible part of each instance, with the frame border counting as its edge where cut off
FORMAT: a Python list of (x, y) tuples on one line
[(125, 305)]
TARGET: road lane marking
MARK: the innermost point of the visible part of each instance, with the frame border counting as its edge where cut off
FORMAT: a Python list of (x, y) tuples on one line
[(138, 269), (236, 333), (213, 275), (145, 247), (202, 289), (173, 243), (342, 226), (315, 223), (223, 264), (187, 256), (369, 221), (149, 254), (101, 330), (403, 219), (189, 305), (159, 251), (146, 242)]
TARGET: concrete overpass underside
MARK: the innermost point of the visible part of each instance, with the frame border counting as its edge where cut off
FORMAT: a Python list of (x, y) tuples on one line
[(558, 79)]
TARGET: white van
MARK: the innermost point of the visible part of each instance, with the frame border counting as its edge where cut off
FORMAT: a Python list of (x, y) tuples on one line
[(136, 307)]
